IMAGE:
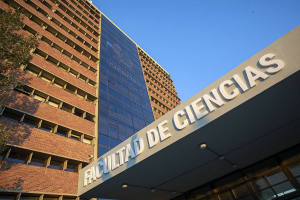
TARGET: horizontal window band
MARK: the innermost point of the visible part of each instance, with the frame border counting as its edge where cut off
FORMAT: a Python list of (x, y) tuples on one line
[(55, 102), (50, 78), (22, 117)]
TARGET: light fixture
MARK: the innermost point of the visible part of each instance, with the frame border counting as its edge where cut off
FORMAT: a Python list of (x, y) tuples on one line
[(153, 190), (91, 156), (124, 186), (233, 166), (202, 146), (221, 157)]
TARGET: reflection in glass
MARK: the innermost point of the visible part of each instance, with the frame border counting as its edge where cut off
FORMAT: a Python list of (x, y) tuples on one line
[(226, 196), (259, 184), (249, 197), (295, 169), (122, 85), (284, 188), (265, 194), (240, 191), (276, 178)]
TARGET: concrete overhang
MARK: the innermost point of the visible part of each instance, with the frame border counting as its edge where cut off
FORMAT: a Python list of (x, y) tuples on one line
[(254, 125)]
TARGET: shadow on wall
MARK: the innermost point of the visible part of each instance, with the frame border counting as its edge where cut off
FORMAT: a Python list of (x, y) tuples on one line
[(15, 99), (18, 132), (13, 184)]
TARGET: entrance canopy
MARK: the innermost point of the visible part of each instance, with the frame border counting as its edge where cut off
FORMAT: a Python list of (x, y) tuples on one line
[(250, 113)]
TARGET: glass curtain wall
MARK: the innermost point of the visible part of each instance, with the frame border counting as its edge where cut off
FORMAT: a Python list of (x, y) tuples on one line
[(124, 105), (277, 177)]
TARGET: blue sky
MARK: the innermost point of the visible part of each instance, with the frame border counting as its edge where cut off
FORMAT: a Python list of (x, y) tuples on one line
[(198, 41)]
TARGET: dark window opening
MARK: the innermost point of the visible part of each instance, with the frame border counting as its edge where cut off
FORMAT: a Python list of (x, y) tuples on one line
[(55, 164), (16, 157), (37, 161), (30, 121)]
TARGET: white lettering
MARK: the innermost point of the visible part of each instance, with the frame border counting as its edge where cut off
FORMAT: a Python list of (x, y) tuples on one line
[(138, 146), (107, 165), (190, 114), (113, 163), (86, 177), (98, 171), (216, 99), (241, 83), (267, 63), (153, 137), (176, 117), (92, 175), (162, 131), (197, 109), (121, 158), (227, 96), (128, 153), (253, 75)]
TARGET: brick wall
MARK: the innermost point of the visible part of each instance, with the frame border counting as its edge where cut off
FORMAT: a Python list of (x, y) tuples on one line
[(48, 112), (54, 91), (40, 140), (16, 176)]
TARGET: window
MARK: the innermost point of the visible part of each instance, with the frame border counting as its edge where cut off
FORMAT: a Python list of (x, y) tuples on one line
[(47, 126), (109, 44), (73, 73), (62, 131), (71, 168), (89, 117), (102, 150), (81, 95), (240, 191), (55, 164), (75, 135), (37, 161), (30, 121), (7, 197), (104, 140), (28, 198), (87, 141), (50, 198), (71, 89), (78, 112), (114, 143), (16, 157), (24, 89), (2, 155), (46, 77), (39, 96), (34, 72), (58, 83), (295, 169), (67, 107), (11, 115), (53, 102)]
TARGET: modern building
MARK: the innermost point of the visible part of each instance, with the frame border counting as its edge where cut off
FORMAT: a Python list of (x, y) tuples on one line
[(238, 138), (88, 88), (163, 95)]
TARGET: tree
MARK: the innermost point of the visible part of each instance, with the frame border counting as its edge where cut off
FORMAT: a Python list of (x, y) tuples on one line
[(14, 51)]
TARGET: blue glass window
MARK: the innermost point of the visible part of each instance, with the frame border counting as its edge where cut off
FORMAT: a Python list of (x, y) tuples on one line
[(113, 143), (104, 140), (123, 99), (113, 132), (102, 150)]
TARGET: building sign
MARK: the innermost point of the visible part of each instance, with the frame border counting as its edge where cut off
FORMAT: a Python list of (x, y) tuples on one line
[(198, 109)]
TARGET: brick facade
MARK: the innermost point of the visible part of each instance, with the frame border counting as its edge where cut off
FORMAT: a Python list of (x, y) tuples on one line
[(162, 93), (68, 51), (21, 177), (82, 57)]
